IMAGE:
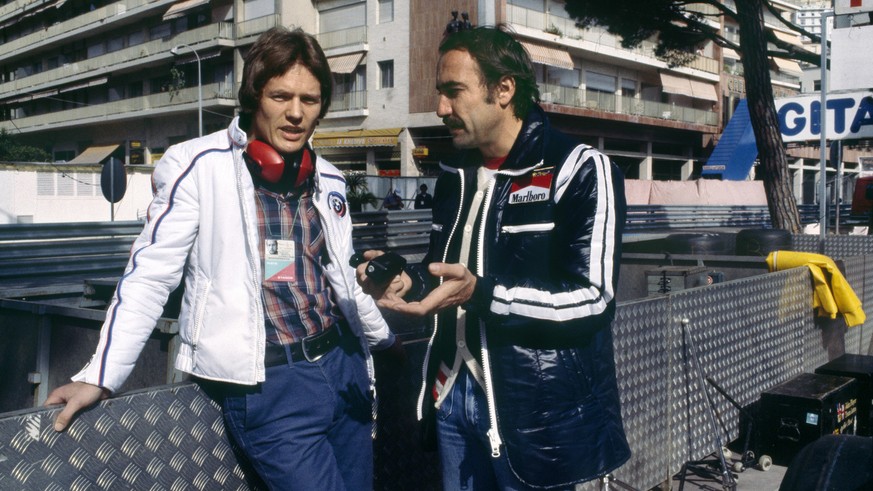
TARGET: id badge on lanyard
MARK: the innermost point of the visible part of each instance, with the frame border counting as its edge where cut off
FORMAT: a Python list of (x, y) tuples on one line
[(279, 260)]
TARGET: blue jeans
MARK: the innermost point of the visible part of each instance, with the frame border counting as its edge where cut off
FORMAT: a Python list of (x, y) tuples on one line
[(465, 453), (308, 425)]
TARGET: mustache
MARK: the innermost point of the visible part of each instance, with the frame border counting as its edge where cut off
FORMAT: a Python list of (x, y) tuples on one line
[(453, 123)]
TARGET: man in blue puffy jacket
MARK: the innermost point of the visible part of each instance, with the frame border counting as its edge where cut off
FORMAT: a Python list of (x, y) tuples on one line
[(519, 377)]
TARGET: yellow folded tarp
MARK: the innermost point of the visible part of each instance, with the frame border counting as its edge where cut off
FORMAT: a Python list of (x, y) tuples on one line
[(829, 298)]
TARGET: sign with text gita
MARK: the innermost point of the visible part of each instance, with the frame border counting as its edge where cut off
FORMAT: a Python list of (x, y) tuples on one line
[(848, 116), (843, 7)]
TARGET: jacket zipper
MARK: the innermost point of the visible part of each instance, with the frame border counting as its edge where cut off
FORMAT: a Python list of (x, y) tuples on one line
[(259, 311), (493, 433), (436, 319)]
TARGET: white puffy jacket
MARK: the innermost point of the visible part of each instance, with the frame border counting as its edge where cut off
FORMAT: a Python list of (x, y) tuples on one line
[(203, 220)]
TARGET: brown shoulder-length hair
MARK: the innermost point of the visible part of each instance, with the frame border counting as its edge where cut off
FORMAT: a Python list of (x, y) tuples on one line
[(273, 54)]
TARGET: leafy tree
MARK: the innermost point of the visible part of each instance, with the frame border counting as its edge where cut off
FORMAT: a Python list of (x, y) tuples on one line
[(679, 28), (358, 192), (12, 150)]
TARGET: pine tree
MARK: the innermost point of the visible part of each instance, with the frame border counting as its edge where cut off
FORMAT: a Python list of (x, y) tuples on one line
[(679, 28)]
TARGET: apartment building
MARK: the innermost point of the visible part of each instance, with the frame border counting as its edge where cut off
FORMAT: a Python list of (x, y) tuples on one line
[(90, 79), (809, 14)]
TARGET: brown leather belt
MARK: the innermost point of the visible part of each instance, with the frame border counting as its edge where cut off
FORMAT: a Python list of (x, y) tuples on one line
[(311, 348)]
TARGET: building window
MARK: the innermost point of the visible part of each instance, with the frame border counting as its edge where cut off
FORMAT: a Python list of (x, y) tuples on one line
[(599, 82), (253, 9), (160, 31), (386, 11), (535, 5), (386, 74), (628, 87), (337, 15), (350, 90), (64, 155), (134, 89)]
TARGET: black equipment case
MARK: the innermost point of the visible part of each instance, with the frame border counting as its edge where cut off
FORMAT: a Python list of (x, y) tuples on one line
[(802, 409), (859, 367)]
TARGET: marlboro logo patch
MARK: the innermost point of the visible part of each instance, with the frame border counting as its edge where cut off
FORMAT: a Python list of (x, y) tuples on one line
[(530, 188)]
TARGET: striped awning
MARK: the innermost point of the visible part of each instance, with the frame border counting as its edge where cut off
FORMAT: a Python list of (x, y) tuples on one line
[(688, 87), (789, 66), (179, 9), (345, 63), (94, 155), (790, 38), (729, 53), (704, 91), (546, 55), (672, 84)]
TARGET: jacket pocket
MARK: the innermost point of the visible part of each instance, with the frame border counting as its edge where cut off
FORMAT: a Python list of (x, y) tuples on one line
[(526, 246), (530, 227), (199, 310)]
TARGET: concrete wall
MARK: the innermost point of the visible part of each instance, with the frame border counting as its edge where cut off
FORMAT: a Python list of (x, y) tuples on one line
[(75, 195)]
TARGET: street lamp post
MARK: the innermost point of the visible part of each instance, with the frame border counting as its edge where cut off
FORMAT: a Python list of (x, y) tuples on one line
[(175, 52)]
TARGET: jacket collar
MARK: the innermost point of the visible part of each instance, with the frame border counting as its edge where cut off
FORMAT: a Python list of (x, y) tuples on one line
[(240, 139), (526, 152)]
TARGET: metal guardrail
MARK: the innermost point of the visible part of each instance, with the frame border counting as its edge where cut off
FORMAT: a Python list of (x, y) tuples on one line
[(406, 232), (51, 253), (39, 254), (665, 217), (42, 253)]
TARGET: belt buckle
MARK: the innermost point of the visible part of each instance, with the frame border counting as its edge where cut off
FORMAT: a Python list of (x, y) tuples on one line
[(304, 345)]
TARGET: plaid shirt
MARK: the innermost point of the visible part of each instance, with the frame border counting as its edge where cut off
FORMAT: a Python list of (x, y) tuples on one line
[(294, 310)]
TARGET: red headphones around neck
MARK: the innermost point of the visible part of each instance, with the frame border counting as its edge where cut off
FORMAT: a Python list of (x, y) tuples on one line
[(266, 163)]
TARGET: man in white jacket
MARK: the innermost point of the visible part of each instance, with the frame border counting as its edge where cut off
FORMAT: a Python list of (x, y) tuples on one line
[(273, 324)]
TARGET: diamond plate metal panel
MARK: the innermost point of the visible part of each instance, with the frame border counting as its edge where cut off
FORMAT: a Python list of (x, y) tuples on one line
[(642, 368), (172, 438), (834, 246), (806, 243), (845, 246), (859, 339), (855, 269), (747, 334), (865, 346)]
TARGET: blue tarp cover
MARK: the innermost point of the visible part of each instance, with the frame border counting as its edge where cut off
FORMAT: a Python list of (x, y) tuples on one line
[(736, 149)]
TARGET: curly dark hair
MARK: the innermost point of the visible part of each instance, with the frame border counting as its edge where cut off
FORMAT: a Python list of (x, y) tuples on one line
[(498, 55), (273, 54)]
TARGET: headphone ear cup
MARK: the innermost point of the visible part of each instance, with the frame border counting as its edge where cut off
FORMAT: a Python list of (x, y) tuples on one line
[(306, 168), (264, 161)]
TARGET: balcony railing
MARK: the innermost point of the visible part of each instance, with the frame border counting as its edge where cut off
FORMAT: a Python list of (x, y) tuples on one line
[(348, 101), (710, 11), (784, 78), (253, 27), (73, 27), (344, 37), (567, 28), (16, 7), (103, 64), (590, 99), (663, 110), (124, 108)]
